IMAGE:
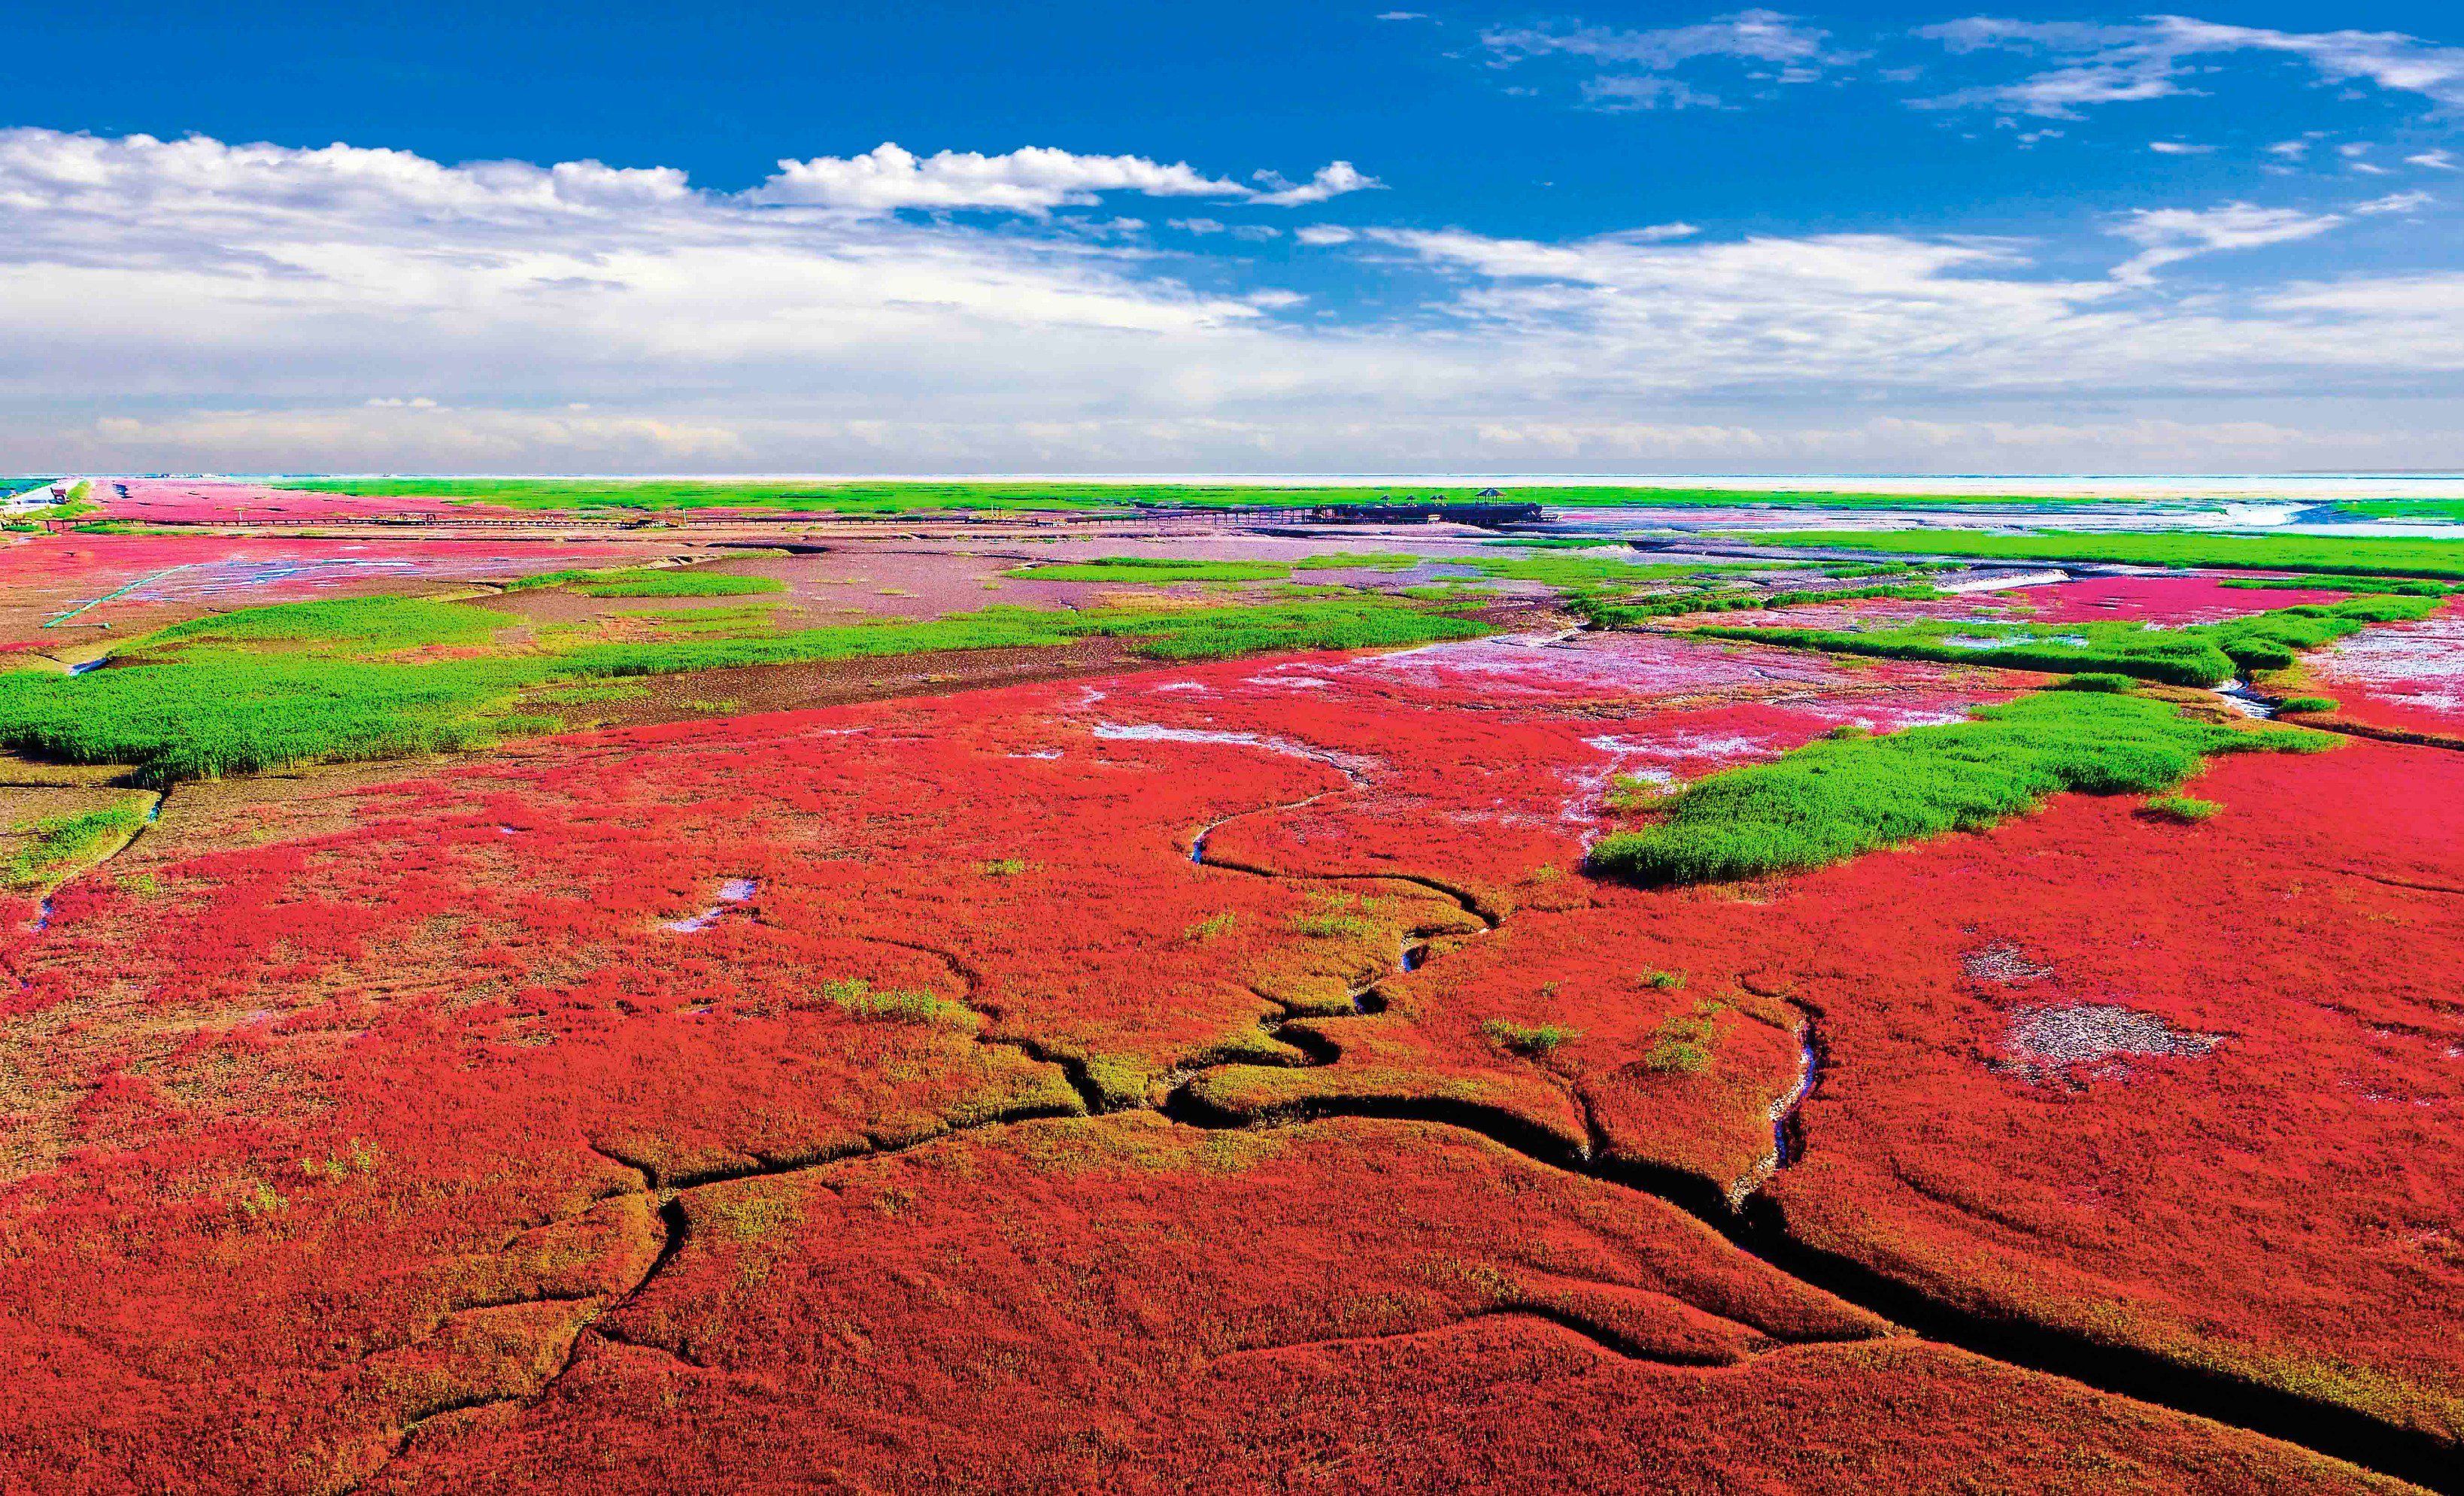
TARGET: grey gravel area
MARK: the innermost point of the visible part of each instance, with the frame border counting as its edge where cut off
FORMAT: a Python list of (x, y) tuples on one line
[(2004, 964), (2044, 1041)]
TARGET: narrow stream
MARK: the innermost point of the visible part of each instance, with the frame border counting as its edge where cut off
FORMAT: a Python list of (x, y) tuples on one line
[(732, 892), (2238, 695), (1788, 1139)]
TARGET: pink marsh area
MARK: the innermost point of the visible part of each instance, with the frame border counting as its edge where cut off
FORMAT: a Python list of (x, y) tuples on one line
[(1519, 738), (181, 568), (2408, 676), (190, 501), (2158, 599), (2162, 602)]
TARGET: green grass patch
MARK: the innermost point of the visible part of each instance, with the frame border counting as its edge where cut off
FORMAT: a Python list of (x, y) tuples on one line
[(904, 498), (1359, 561), (647, 582), (65, 843), (1557, 543), (2097, 680), (585, 695), (358, 625), (2359, 556), (2333, 583), (650, 582), (1581, 572), (1151, 569), (2310, 704), (2418, 509), (1609, 614), (2197, 654), (1831, 800), (309, 682)]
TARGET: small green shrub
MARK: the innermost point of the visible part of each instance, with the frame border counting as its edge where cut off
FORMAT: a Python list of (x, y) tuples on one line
[(61, 846), (1211, 925), (2097, 680), (358, 1159), (1664, 980), (2184, 808), (1682, 1044), (859, 999), (1532, 1042), (1339, 916), (2311, 704)]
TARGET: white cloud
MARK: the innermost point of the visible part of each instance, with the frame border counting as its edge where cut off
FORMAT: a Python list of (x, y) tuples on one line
[(2290, 150), (2433, 160), (1403, 15), (1634, 68), (2169, 236), (2107, 64), (2178, 148), (188, 304), (2395, 202), (1201, 226), (1032, 180), (1332, 180)]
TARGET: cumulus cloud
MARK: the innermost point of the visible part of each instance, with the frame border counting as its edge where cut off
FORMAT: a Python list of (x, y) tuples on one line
[(1638, 69), (2107, 64), (1032, 180), (1332, 180), (192, 304)]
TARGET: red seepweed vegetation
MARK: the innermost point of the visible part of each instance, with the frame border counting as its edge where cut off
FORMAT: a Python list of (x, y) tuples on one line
[(343, 1114)]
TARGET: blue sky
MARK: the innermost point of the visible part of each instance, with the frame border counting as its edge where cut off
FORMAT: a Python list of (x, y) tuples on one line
[(1254, 237)]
